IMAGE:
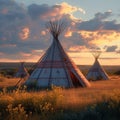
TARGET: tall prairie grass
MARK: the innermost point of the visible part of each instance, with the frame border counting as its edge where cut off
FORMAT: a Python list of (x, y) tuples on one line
[(99, 102)]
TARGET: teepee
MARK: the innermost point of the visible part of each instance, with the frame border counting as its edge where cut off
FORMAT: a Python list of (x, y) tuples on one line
[(21, 73), (55, 67), (96, 72)]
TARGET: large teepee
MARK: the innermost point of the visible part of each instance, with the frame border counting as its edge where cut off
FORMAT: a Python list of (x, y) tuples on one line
[(21, 73), (55, 67), (96, 72)]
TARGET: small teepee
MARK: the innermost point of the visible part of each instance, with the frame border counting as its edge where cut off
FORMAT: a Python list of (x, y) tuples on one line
[(21, 73), (96, 72), (55, 67)]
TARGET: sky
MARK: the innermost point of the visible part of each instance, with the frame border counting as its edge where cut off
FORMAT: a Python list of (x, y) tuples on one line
[(91, 26)]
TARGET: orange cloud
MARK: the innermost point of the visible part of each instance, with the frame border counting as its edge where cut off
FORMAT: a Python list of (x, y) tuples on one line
[(65, 8), (43, 33), (70, 30), (101, 37), (77, 48), (24, 34), (62, 9), (68, 34)]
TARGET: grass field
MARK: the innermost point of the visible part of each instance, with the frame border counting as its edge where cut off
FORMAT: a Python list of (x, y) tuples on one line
[(62, 104), (101, 101)]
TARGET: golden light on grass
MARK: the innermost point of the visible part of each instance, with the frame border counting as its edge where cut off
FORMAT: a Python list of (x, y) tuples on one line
[(47, 103)]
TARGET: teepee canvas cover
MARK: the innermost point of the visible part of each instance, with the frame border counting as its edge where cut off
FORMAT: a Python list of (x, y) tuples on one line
[(96, 72), (55, 67)]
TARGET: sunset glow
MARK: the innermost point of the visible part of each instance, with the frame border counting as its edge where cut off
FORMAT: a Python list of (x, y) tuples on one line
[(23, 30), (102, 37)]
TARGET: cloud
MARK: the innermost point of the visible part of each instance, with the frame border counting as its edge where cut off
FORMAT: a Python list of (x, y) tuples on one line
[(102, 16), (78, 48), (65, 8), (99, 22), (101, 37), (100, 30), (57, 11), (18, 33), (12, 18), (111, 48), (23, 32), (23, 29), (75, 40), (36, 11)]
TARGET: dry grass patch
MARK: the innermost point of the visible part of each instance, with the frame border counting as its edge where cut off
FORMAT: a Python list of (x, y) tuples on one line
[(63, 103)]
